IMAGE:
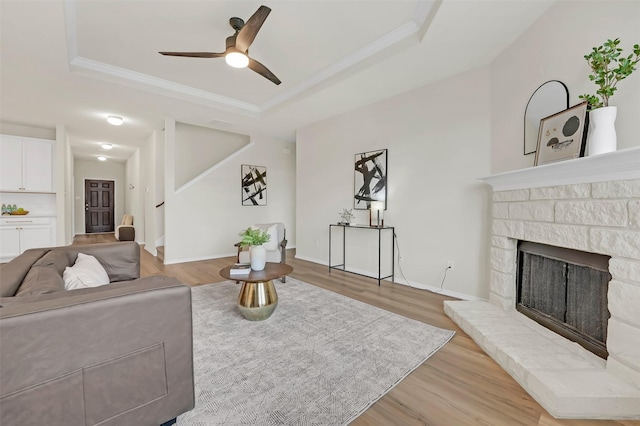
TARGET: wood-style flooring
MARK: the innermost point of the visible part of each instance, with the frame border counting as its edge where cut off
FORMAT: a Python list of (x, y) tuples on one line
[(459, 385)]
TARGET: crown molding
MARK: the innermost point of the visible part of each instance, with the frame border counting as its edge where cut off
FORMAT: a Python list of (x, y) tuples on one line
[(415, 28), (126, 77)]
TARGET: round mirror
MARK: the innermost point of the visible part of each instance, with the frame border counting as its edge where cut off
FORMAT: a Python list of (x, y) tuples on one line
[(548, 99)]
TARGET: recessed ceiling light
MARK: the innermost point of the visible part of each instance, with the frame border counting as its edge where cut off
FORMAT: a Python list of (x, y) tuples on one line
[(107, 146), (102, 158), (115, 120)]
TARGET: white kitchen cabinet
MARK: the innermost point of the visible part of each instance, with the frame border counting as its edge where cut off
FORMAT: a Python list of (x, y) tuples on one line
[(26, 164), (20, 234)]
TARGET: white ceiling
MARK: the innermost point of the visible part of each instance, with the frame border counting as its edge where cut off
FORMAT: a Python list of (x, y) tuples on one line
[(74, 62)]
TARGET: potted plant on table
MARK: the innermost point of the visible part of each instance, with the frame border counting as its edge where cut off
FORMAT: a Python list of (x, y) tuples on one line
[(254, 238), (608, 67)]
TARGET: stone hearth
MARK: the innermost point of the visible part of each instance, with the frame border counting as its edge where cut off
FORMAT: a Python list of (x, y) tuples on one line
[(589, 204)]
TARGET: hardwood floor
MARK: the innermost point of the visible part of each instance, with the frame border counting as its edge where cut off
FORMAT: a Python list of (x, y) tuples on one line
[(459, 385)]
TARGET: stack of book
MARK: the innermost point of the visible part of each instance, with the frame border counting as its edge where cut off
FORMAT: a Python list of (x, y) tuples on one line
[(240, 269)]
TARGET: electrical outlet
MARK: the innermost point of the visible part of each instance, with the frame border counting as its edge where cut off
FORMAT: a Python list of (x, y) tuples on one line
[(450, 265)]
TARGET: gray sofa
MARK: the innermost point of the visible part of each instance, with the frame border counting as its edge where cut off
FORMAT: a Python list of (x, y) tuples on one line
[(119, 354)]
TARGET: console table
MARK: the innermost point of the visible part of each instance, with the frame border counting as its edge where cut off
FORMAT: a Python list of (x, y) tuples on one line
[(358, 228)]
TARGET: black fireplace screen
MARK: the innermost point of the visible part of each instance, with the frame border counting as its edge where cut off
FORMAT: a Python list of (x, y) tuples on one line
[(566, 291)]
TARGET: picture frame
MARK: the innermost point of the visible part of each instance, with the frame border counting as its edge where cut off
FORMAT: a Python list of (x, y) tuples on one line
[(562, 136), (253, 185), (370, 179)]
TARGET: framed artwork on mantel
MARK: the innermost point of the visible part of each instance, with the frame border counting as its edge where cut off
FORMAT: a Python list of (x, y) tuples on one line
[(370, 179), (254, 185), (562, 136)]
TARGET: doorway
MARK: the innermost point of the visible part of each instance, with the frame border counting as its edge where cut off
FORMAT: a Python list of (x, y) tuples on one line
[(98, 205)]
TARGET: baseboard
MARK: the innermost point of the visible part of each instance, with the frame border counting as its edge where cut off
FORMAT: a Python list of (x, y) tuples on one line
[(160, 241), (196, 259), (151, 250), (401, 281)]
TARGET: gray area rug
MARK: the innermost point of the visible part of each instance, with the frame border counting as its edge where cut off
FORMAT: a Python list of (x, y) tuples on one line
[(321, 359)]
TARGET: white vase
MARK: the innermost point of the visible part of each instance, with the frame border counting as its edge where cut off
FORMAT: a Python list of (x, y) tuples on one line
[(258, 257), (602, 130)]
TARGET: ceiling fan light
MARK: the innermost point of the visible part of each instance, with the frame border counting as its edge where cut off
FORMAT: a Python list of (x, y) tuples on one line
[(115, 120), (237, 59)]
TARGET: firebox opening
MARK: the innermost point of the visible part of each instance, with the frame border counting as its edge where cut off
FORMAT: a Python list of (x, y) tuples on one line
[(565, 290)]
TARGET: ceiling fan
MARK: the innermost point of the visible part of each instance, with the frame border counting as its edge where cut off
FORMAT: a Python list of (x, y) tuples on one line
[(237, 52)]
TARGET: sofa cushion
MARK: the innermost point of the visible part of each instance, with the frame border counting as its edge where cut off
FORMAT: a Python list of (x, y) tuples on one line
[(56, 259), (41, 279), (121, 260), (13, 273), (86, 272)]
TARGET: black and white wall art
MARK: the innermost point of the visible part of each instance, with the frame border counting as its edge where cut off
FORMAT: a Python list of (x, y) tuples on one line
[(562, 136), (254, 185), (370, 179)]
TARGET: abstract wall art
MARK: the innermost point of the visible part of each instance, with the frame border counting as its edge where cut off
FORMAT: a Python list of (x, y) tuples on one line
[(254, 185), (562, 136), (370, 179)]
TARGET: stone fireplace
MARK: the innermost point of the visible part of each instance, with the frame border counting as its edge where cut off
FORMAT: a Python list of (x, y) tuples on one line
[(588, 204)]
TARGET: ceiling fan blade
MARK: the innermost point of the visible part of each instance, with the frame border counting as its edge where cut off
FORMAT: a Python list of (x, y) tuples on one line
[(248, 32), (263, 71), (194, 54)]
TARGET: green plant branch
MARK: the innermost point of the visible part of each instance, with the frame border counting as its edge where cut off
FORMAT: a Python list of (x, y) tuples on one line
[(608, 70), (254, 237)]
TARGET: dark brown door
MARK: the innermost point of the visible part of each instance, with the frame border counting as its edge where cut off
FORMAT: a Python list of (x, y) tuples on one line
[(98, 205)]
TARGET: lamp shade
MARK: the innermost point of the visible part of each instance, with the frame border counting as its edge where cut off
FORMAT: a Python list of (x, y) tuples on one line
[(376, 214), (377, 205)]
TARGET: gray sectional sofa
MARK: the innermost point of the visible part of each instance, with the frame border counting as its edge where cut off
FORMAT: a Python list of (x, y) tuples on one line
[(119, 354)]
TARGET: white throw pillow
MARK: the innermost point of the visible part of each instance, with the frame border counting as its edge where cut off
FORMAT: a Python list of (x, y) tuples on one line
[(86, 272), (272, 244)]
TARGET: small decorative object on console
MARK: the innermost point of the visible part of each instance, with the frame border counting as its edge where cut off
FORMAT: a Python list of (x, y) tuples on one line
[(240, 269), (347, 216)]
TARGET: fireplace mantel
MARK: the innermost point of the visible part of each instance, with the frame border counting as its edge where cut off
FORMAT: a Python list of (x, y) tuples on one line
[(618, 165), (588, 204)]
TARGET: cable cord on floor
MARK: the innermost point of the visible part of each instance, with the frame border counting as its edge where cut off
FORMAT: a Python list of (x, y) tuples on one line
[(444, 277)]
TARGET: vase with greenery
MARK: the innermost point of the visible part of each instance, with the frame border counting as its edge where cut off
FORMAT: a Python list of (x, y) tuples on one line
[(609, 66), (254, 238)]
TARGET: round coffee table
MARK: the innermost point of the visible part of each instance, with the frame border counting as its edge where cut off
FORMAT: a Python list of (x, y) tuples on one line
[(258, 298)]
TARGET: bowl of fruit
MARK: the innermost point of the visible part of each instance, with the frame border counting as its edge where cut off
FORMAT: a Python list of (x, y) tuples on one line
[(19, 212)]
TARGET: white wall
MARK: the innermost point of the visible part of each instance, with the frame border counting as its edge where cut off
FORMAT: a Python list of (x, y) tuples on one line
[(553, 48), (438, 142), (159, 185), (134, 194), (97, 170), (203, 221), (200, 148), (148, 182), (64, 187)]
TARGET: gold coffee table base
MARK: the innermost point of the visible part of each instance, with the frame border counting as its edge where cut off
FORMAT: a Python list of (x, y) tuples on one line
[(258, 300)]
